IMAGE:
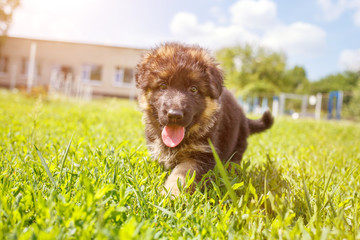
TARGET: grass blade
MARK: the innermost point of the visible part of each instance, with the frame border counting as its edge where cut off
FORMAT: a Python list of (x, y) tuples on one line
[(327, 182), (307, 196), (45, 166), (332, 206), (64, 158), (265, 192), (167, 212), (114, 176), (224, 175)]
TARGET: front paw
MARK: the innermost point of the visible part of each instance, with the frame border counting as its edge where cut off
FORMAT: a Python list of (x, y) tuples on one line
[(171, 184), (171, 188), (178, 176)]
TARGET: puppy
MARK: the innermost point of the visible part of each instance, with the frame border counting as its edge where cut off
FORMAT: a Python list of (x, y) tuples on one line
[(184, 105)]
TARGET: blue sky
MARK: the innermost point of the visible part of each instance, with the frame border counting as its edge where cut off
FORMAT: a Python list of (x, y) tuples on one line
[(321, 35)]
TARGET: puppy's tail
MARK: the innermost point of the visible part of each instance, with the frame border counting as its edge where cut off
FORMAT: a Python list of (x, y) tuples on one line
[(259, 125)]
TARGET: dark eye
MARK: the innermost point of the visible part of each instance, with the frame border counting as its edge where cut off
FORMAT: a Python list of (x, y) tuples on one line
[(163, 86), (193, 89)]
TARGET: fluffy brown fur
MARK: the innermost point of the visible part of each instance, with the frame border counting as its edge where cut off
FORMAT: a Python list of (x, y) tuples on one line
[(183, 85)]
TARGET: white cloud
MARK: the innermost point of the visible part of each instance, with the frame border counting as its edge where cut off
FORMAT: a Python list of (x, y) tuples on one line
[(297, 39), (184, 24), (218, 14), (52, 19), (254, 22), (350, 60), (333, 11), (185, 27), (254, 14), (357, 18)]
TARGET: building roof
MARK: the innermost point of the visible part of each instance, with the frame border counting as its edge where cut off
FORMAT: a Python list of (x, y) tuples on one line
[(76, 43)]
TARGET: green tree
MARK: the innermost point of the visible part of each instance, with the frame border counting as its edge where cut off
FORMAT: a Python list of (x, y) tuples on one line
[(349, 83), (353, 108), (296, 81), (7, 8), (345, 81), (260, 71)]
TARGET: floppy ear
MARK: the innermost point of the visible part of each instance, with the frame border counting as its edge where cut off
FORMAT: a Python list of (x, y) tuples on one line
[(141, 75), (142, 71), (138, 77), (215, 81)]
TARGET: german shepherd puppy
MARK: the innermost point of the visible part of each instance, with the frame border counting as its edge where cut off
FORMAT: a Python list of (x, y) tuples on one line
[(184, 105)]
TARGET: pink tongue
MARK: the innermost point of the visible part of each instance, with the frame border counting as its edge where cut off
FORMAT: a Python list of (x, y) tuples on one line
[(172, 135)]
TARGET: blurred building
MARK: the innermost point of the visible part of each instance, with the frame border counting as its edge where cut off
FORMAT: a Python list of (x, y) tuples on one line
[(108, 70)]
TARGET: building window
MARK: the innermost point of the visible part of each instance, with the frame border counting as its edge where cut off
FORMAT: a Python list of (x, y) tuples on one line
[(119, 75), (4, 61), (124, 76), (92, 73)]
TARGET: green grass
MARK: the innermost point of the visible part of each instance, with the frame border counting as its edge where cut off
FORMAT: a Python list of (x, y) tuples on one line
[(90, 176)]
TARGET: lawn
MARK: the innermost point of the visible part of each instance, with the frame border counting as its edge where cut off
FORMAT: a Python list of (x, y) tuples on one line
[(81, 170)]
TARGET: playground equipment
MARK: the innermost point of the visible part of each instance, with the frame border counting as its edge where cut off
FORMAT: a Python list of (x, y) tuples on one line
[(252, 105), (338, 97), (305, 99)]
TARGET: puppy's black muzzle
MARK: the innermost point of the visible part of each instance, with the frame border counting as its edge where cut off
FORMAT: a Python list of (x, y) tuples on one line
[(174, 108), (175, 115)]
